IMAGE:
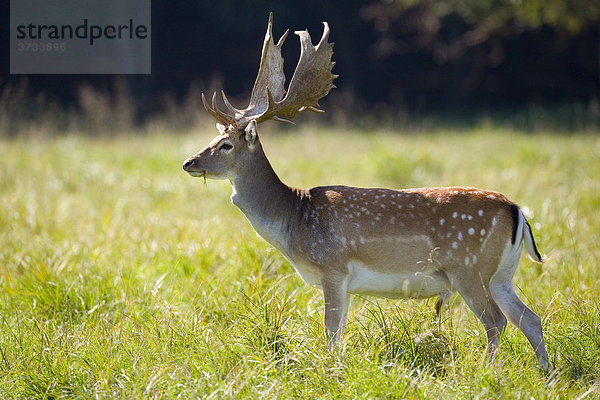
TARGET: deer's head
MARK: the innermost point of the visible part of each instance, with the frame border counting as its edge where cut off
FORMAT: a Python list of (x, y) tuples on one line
[(232, 150)]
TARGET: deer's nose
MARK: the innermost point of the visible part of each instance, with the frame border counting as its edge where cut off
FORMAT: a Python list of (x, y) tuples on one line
[(187, 164)]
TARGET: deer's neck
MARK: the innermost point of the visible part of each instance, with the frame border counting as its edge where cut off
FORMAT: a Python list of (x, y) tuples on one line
[(270, 205)]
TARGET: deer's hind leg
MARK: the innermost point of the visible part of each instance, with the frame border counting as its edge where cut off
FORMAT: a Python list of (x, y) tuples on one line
[(478, 298), (503, 292)]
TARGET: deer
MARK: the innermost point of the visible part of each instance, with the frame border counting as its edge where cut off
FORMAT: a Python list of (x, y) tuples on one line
[(412, 243)]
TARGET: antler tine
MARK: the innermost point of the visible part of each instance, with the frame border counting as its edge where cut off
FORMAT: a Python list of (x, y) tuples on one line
[(215, 112), (230, 107), (276, 117)]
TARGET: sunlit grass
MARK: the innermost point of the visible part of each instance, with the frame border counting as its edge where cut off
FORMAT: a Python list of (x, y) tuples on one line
[(121, 276)]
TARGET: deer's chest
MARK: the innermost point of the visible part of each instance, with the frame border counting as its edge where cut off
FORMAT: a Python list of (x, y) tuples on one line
[(310, 274)]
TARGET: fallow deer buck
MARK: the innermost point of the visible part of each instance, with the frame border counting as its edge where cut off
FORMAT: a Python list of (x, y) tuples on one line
[(413, 243)]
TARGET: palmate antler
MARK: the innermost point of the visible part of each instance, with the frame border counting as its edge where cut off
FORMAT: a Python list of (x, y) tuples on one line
[(312, 80)]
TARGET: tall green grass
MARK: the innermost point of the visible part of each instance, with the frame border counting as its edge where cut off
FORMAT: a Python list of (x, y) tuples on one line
[(121, 276)]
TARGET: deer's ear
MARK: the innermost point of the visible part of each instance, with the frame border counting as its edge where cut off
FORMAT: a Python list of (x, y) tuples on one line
[(251, 134)]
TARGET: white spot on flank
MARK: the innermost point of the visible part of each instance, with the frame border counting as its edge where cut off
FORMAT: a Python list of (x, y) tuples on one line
[(463, 216), (454, 245), (482, 232), (459, 235), (494, 221), (469, 217), (454, 214), (442, 221), (362, 240), (343, 241), (471, 231), (480, 213), (467, 260), (474, 260)]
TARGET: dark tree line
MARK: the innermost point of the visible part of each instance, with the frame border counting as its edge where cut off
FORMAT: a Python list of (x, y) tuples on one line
[(391, 55)]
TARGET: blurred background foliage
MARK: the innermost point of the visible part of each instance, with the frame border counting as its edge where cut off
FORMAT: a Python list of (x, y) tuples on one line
[(397, 60)]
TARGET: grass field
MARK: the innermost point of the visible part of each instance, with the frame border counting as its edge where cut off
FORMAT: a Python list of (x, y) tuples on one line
[(123, 277)]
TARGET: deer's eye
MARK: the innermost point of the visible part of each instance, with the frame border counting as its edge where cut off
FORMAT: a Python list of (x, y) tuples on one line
[(226, 147)]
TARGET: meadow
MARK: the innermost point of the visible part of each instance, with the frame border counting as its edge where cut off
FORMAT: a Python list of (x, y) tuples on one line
[(123, 277)]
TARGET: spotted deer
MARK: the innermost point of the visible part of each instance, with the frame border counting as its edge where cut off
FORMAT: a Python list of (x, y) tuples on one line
[(414, 243)]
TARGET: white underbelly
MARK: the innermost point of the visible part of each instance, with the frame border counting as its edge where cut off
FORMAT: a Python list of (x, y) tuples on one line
[(395, 285)]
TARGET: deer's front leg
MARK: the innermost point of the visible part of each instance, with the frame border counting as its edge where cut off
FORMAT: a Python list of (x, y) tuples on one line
[(336, 307)]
